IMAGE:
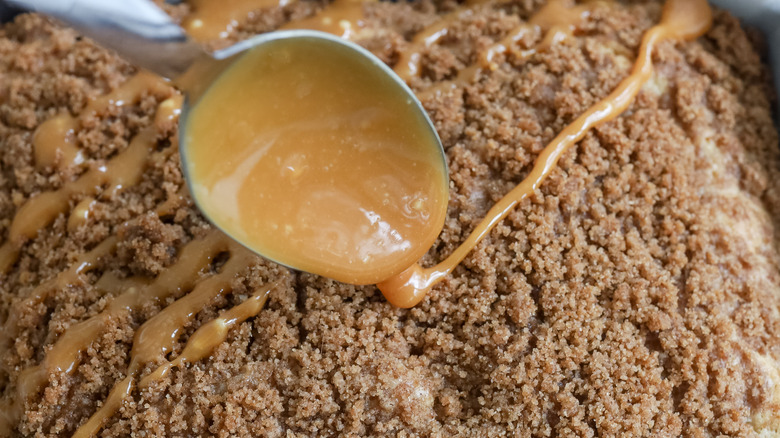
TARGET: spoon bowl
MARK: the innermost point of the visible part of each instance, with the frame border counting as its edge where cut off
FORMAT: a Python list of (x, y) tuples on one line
[(322, 159)]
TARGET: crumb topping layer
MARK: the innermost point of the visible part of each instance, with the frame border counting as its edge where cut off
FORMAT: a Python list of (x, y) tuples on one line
[(634, 294)]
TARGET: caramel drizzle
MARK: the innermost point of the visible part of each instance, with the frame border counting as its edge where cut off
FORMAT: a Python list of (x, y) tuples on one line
[(166, 113), (84, 264), (122, 171), (9, 410), (65, 355), (157, 336), (556, 20), (342, 18), (409, 60), (681, 20), (559, 18), (216, 19), (200, 345), (208, 337), (170, 205), (81, 213), (54, 141)]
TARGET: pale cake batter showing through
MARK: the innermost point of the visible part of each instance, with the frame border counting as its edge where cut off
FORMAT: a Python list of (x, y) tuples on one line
[(631, 294)]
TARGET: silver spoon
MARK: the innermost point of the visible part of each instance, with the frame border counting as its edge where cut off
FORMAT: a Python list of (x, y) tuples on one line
[(145, 35)]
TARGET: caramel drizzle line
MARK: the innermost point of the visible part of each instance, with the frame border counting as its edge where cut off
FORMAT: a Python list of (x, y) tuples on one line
[(341, 18), (84, 263), (66, 352), (681, 19), (10, 411), (167, 111), (200, 345), (408, 64), (557, 19), (65, 355), (88, 261), (124, 170), (54, 140), (211, 19)]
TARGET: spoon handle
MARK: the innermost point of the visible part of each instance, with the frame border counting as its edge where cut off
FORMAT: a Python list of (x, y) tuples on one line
[(137, 29)]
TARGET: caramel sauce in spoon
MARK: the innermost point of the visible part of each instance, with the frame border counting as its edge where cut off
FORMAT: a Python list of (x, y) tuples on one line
[(304, 153)]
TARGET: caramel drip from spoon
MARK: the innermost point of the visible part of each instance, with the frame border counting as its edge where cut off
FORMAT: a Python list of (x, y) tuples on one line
[(157, 336), (681, 19), (122, 171)]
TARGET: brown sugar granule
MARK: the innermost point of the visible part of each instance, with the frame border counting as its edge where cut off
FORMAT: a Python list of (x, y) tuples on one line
[(635, 294)]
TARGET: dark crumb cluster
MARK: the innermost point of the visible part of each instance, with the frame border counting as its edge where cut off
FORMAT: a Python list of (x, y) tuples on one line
[(637, 293)]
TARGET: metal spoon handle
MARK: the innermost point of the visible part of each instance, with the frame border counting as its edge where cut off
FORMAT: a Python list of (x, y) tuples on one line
[(137, 29)]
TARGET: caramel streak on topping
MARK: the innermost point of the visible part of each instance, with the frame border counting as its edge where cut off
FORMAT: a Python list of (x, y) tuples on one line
[(168, 112), (81, 213), (216, 19), (54, 142), (65, 355), (208, 337), (113, 402), (156, 338), (124, 170), (558, 19), (409, 60), (200, 345), (11, 409), (84, 263), (682, 19), (170, 205), (341, 18)]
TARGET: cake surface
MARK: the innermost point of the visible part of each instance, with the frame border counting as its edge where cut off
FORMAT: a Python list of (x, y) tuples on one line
[(636, 293)]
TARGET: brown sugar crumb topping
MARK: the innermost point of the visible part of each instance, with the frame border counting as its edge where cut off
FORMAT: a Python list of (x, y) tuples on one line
[(635, 293)]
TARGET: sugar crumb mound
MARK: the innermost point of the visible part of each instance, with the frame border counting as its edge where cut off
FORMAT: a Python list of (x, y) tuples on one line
[(636, 293)]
